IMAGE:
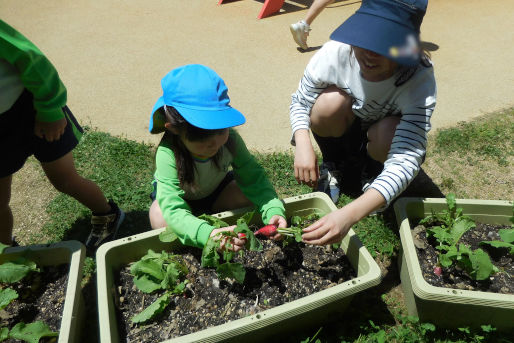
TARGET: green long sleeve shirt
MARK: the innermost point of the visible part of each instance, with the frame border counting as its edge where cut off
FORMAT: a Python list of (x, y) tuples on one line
[(37, 73), (249, 175)]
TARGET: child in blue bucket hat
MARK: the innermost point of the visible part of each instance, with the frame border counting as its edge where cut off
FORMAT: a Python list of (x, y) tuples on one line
[(202, 163), (367, 97)]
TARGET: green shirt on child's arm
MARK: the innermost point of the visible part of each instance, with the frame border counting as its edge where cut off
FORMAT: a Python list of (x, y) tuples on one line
[(249, 175), (37, 73)]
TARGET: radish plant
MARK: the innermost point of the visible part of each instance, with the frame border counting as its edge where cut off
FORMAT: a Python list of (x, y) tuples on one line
[(447, 227), (294, 232), (211, 252), (154, 272), (12, 272), (507, 240)]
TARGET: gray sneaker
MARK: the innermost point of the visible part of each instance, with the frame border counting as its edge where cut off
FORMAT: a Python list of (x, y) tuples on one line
[(300, 31), (105, 227), (329, 180)]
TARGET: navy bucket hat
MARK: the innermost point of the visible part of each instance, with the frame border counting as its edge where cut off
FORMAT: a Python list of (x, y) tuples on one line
[(199, 95), (388, 27)]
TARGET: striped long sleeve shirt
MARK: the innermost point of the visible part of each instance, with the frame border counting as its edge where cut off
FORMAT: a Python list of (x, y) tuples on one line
[(413, 100)]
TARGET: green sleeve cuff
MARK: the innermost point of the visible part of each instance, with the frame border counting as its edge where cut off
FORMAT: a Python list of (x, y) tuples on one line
[(203, 234), (273, 207)]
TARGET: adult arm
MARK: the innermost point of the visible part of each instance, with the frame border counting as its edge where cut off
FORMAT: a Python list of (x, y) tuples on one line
[(408, 148), (334, 226), (327, 67)]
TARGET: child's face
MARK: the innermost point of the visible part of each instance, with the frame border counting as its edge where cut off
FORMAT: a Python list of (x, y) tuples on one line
[(208, 147), (374, 67)]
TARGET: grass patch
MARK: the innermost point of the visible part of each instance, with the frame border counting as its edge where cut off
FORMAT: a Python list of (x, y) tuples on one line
[(472, 160), (122, 168), (480, 138)]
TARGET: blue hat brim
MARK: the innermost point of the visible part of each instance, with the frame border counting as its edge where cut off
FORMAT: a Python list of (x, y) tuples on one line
[(212, 119), (379, 35)]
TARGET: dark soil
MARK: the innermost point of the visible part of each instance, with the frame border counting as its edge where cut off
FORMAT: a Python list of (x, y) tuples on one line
[(454, 277), (274, 276), (41, 297)]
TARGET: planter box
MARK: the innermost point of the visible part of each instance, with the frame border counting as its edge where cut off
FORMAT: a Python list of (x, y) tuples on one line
[(72, 253), (111, 256), (445, 307)]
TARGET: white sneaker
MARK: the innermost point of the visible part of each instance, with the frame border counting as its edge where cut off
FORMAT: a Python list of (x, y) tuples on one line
[(328, 181), (300, 31)]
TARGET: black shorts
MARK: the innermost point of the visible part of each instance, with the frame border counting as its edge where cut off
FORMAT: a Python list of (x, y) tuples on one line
[(18, 141), (203, 205)]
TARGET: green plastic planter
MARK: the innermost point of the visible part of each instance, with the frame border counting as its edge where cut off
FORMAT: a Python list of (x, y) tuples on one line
[(72, 253), (450, 308), (111, 256)]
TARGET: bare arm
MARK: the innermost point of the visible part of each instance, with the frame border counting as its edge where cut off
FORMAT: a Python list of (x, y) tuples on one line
[(333, 227)]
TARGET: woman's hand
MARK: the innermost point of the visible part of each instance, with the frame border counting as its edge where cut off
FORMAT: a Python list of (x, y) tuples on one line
[(278, 221), (305, 160), (330, 229), (333, 227), (231, 243)]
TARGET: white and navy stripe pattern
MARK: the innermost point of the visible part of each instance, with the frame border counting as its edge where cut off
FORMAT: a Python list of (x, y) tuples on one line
[(413, 101)]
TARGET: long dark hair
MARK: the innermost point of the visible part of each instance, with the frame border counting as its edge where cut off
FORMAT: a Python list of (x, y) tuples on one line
[(183, 159)]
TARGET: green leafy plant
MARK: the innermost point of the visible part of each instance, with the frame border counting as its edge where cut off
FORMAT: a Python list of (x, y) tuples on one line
[(447, 227), (211, 252), (294, 232), (154, 272), (507, 236), (12, 272)]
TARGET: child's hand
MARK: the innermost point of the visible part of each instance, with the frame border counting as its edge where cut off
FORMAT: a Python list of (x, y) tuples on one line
[(51, 131), (236, 244), (279, 222)]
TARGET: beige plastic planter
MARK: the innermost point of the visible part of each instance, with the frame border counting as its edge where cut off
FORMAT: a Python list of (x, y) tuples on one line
[(446, 307), (111, 256), (73, 253)]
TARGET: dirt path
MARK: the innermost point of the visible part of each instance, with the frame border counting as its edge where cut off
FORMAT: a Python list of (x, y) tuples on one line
[(112, 55)]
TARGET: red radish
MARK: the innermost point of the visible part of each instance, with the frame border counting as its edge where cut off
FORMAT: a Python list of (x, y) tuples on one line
[(438, 271), (268, 230), (241, 235)]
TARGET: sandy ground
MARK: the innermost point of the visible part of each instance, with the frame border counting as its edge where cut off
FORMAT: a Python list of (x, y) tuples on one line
[(111, 54)]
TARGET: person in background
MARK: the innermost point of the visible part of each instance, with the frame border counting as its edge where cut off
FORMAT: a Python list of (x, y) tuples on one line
[(300, 30), (367, 96), (202, 163), (34, 120)]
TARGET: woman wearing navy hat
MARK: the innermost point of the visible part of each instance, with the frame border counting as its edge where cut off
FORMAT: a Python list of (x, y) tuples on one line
[(367, 96)]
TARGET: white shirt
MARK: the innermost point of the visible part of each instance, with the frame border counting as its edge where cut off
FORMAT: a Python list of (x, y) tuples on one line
[(413, 101)]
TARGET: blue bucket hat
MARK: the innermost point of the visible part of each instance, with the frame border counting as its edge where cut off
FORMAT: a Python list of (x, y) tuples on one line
[(199, 95), (388, 27)]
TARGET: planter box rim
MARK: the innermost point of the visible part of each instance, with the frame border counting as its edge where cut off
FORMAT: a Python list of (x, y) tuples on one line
[(73, 308), (258, 321), (419, 293)]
